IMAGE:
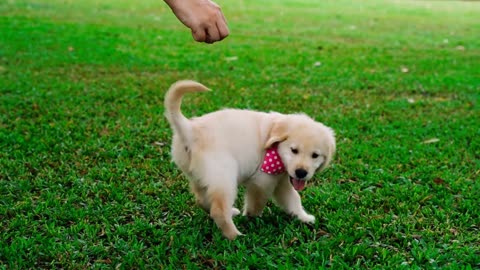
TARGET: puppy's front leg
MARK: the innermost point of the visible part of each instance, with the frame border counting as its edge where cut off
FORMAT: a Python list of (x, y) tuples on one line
[(287, 198), (255, 201)]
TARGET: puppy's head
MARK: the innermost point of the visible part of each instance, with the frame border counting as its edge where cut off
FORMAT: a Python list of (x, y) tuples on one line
[(304, 145)]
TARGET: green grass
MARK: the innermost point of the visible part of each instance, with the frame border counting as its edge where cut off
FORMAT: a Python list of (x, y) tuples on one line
[(85, 174)]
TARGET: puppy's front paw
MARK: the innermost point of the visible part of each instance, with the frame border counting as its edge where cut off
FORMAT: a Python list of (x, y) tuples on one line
[(306, 218), (235, 212)]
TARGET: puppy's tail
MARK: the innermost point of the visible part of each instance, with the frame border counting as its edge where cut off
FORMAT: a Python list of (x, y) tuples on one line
[(173, 100)]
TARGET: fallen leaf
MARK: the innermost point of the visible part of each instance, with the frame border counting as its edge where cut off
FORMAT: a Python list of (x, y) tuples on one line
[(411, 100), (432, 140), (104, 131), (454, 231), (355, 197), (342, 181), (231, 58), (291, 242), (440, 99), (106, 261), (416, 236), (31, 169), (320, 232), (426, 198), (404, 69), (439, 181)]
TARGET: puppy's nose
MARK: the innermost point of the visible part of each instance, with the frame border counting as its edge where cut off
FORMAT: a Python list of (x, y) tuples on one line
[(300, 173)]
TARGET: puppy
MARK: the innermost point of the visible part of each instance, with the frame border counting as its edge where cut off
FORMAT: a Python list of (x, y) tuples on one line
[(271, 154)]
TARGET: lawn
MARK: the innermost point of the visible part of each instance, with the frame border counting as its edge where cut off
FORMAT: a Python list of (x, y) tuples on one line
[(86, 179)]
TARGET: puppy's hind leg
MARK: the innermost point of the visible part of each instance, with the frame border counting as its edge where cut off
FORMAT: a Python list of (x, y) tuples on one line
[(287, 198), (221, 213), (220, 178), (202, 200), (199, 193)]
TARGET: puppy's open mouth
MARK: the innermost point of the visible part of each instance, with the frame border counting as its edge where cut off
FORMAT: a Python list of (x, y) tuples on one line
[(297, 184)]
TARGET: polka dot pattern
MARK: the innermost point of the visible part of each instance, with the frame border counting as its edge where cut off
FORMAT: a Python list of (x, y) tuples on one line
[(272, 163)]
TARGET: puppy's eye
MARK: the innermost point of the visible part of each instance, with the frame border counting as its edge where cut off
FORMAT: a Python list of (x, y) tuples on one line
[(314, 155), (294, 150)]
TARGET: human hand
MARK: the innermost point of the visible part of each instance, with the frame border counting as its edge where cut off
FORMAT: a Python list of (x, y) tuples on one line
[(203, 17)]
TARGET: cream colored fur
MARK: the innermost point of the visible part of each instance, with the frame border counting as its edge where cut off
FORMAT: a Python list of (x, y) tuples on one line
[(221, 150)]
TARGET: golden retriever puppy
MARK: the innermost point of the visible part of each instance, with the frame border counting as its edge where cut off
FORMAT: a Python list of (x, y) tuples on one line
[(271, 154)]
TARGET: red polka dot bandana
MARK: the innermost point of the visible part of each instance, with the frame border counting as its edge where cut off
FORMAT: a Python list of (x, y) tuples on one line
[(272, 163)]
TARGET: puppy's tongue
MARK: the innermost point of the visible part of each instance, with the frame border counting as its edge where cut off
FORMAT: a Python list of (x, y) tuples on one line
[(298, 184)]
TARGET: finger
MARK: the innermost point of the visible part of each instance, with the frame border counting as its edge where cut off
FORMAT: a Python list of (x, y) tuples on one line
[(223, 27), (199, 34), (223, 30), (212, 34)]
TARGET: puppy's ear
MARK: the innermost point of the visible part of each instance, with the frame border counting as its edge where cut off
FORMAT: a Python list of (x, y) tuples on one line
[(278, 133), (331, 145)]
